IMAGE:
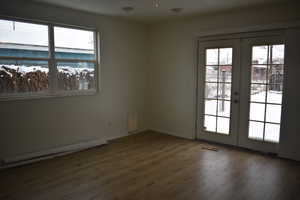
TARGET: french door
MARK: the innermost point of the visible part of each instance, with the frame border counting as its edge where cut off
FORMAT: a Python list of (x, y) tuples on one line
[(218, 90), (240, 87)]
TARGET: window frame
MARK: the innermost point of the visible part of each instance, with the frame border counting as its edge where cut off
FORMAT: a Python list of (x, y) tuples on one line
[(266, 84), (53, 90), (217, 99)]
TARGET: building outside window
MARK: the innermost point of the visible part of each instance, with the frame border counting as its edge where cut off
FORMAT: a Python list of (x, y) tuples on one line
[(46, 60)]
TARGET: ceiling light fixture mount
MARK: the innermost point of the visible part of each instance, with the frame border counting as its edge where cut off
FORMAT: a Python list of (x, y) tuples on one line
[(156, 3)]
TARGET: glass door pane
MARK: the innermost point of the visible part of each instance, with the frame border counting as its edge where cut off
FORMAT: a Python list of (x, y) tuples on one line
[(217, 98), (240, 87), (267, 66)]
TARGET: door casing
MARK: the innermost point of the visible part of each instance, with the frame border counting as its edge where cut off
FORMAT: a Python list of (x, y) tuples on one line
[(240, 83)]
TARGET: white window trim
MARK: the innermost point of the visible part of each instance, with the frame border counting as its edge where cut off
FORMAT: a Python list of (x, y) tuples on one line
[(53, 92)]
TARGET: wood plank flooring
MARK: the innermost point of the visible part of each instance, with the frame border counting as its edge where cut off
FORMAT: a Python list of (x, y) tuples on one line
[(153, 166)]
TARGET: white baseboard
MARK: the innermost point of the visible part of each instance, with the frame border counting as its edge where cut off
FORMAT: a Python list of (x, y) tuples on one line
[(50, 153), (65, 150), (169, 133), (127, 134), (138, 131)]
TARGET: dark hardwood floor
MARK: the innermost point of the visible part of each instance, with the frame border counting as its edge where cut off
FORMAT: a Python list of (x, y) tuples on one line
[(153, 166)]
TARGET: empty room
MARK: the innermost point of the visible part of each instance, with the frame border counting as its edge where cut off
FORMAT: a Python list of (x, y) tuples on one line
[(149, 100)]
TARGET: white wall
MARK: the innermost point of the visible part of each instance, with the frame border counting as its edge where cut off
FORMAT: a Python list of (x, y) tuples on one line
[(37, 125), (173, 64), (290, 139), (144, 69)]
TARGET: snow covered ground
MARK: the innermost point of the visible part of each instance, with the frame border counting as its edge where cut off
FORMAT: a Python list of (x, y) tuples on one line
[(257, 112), (25, 69), (65, 69), (210, 121), (74, 71), (273, 115), (69, 78)]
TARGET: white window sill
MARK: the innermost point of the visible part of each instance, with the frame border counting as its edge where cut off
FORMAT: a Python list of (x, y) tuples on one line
[(41, 95)]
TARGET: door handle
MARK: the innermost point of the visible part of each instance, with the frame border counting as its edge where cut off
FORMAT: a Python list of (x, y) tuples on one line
[(236, 101)]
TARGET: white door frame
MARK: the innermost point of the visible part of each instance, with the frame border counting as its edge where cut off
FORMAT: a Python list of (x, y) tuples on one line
[(239, 134), (246, 47), (202, 134)]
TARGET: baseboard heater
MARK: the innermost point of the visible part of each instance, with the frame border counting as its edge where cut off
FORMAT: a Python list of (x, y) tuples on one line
[(48, 154)]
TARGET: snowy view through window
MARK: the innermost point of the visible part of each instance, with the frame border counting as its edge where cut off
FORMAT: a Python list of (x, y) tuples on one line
[(218, 90), (266, 91), (24, 58)]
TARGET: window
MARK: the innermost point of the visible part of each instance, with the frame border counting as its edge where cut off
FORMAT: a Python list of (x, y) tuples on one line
[(266, 92), (23, 57), (218, 90), (42, 59), (75, 54)]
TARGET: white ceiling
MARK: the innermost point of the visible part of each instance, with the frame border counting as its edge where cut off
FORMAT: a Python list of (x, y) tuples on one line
[(145, 9)]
